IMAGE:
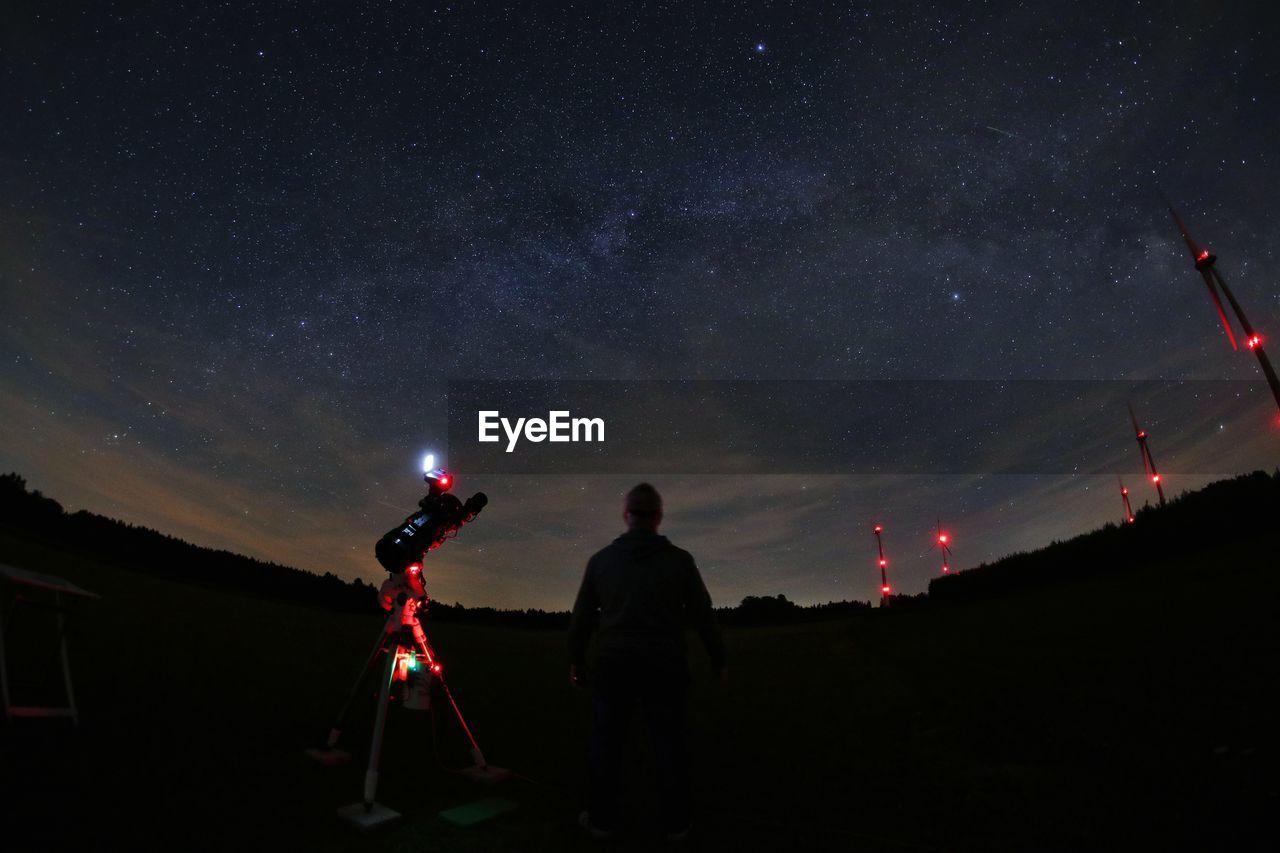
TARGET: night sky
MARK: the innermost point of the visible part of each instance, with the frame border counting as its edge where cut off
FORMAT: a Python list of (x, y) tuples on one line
[(243, 247)]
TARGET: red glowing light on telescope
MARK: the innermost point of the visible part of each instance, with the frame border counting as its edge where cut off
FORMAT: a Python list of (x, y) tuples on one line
[(444, 481), (414, 569)]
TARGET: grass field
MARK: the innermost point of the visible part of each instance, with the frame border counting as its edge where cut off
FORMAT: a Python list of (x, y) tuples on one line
[(1130, 711)]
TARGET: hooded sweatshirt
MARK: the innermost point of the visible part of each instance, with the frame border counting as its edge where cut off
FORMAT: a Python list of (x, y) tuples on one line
[(640, 592)]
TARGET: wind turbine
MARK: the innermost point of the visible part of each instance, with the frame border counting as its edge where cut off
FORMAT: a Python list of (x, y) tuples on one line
[(1124, 496), (1206, 264), (944, 542), (1148, 462), (884, 580)]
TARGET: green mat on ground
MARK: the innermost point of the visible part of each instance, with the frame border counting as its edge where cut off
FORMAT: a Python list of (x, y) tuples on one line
[(470, 814)]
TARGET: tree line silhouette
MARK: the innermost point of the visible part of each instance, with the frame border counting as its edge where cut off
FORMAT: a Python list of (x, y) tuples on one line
[(142, 549), (1240, 508), (1244, 507)]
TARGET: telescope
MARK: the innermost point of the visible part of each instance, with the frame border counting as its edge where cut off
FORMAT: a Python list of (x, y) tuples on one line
[(412, 666), (440, 516)]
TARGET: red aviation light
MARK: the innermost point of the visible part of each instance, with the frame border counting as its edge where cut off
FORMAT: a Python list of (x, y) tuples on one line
[(436, 668), (877, 529), (1124, 491), (1155, 478), (1254, 341), (1131, 519), (883, 563), (885, 589), (946, 569), (1203, 256), (942, 538), (1142, 433)]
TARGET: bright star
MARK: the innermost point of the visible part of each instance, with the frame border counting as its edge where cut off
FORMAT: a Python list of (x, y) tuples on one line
[(759, 47)]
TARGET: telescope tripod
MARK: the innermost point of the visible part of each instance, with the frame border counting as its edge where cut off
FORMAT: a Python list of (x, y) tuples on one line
[(410, 661)]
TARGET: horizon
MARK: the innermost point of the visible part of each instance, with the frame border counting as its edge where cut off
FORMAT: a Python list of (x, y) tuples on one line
[(708, 571)]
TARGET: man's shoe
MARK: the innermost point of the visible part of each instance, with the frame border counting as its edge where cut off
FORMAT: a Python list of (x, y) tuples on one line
[(678, 835), (598, 833)]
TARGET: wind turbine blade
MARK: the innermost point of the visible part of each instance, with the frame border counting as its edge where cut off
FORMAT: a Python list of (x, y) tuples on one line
[(1186, 235), (1217, 303)]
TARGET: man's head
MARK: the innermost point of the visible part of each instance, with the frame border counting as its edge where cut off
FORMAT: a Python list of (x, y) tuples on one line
[(642, 509)]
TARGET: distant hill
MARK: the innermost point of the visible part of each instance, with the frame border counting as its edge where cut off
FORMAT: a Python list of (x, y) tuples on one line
[(1219, 514), (29, 513), (146, 550)]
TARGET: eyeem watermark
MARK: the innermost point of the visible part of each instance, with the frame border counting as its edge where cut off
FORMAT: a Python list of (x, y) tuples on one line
[(873, 427), (558, 426)]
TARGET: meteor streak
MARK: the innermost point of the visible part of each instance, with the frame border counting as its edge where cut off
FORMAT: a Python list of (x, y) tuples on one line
[(1005, 133)]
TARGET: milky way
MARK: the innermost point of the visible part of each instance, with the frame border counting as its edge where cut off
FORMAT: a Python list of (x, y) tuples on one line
[(245, 247)]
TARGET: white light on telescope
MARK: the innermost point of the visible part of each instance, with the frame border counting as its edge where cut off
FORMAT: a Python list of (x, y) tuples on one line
[(428, 463)]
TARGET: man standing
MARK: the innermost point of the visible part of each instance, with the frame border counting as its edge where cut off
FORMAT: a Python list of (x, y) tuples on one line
[(639, 594)]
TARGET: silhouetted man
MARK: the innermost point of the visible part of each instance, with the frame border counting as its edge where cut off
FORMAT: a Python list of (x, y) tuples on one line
[(639, 594)]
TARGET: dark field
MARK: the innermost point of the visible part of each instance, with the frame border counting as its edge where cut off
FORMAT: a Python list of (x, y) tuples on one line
[(1131, 711)]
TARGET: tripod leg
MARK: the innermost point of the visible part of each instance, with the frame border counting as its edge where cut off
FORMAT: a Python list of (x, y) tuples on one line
[(336, 731), (379, 727), (476, 755), (420, 639)]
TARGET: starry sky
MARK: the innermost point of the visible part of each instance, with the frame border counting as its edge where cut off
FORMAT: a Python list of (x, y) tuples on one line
[(245, 246)]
